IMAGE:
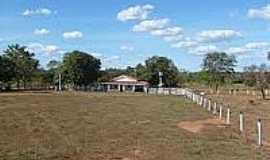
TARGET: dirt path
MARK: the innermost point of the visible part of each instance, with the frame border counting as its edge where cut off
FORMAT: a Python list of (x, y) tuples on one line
[(198, 126)]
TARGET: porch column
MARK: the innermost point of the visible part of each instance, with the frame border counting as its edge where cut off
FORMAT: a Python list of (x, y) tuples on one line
[(108, 87), (119, 87), (124, 88), (133, 88), (145, 89)]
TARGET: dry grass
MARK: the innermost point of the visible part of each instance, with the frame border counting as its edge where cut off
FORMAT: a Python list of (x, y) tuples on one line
[(83, 126), (253, 109)]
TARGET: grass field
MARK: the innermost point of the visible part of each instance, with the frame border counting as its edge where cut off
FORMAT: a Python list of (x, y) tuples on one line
[(253, 109), (48, 126)]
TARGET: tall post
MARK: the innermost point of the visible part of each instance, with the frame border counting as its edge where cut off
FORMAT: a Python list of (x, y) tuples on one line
[(215, 108), (160, 75), (205, 103), (220, 112), (209, 105), (228, 121), (259, 131), (241, 121), (59, 82), (134, 88)]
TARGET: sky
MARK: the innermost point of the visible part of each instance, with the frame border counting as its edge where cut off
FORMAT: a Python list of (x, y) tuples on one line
[(126, 32)]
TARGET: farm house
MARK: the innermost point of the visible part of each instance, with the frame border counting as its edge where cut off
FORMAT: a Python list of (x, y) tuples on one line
[(125, 83)]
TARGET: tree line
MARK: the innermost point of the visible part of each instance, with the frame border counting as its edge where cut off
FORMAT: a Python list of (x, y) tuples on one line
[(20, 69)]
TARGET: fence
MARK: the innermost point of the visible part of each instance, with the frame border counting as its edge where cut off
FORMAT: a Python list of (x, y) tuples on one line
[(220, 110), (224, 112), (240, 91), (167, 91)]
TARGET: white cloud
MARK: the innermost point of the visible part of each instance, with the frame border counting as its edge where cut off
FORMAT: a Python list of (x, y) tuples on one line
[(218, 35), (249, 47), (167, 32), (201, 50), (39, 11), (151, 25), (96, 54), (127, 48), (111, 59), (49, 49), (262, 13), (41, 32), (40, 48), (256, 45), (135, 13), (237, 50), (73, 35), (173, 38), (185, 44)]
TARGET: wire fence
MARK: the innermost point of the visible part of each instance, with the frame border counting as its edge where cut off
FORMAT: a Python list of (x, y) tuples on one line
[(250, 126)]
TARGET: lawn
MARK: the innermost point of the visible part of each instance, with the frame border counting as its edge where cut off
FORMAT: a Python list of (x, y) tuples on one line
[(69, 126)]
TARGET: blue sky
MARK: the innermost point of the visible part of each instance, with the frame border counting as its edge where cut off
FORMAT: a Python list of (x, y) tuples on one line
[(125, 32)]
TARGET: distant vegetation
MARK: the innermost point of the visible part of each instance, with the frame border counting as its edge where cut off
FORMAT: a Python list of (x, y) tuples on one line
[(20, 69)]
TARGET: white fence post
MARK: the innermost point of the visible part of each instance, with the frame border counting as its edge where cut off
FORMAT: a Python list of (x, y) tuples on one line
[(259, 131), (241, 121), (215, 108), (204, 102), (209, 105), (228, 116), (220, 112), (201, 103)]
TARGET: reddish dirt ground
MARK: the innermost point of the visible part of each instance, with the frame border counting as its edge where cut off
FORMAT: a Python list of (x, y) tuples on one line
[(198, 126)]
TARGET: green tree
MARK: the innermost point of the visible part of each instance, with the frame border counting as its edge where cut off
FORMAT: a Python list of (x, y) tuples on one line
[(23, 62), (80, 68), (157, 64), (220, 67), (257, 76), (53, 64), (141, 72), (6, 71), (52, 74)]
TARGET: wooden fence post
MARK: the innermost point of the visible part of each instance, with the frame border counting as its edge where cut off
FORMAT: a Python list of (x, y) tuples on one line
[(241, 121), (259, 132), (228, 116)]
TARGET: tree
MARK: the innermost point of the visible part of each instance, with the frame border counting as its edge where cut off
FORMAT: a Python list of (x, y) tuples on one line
[(52, 74), (141, 72), (250, 75), (6, 71), (257, 76), (80, 68), (219, 66), (53, 64), (23, 62), (156, 64)]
